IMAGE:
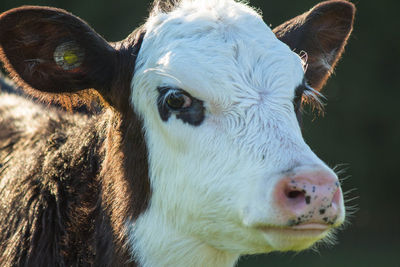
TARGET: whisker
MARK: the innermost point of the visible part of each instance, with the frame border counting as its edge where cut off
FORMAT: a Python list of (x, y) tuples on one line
[(349, 191), (341, 168), (351, 199), (343, 179)]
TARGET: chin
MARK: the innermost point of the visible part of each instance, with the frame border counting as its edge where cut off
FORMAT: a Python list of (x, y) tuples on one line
[(292, 239)]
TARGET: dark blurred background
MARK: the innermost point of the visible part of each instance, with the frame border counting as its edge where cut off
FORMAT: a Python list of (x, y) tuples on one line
[(360, 128)]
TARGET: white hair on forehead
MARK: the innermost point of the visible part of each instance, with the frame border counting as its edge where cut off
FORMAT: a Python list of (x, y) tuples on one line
[(221, 13), (165, 6), (219, 32)]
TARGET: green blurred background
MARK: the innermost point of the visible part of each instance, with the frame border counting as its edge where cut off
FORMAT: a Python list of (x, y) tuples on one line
[(360, 128)]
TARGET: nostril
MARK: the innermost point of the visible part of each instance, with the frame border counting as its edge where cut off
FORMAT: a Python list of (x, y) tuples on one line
[(295, 194), (309, 197)]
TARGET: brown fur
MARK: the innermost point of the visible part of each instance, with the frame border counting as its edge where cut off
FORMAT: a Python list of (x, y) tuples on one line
[(68, 185), (68, 182), (322, 33)]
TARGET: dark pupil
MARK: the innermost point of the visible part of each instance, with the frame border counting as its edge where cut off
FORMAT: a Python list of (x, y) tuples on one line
[(175, 101)]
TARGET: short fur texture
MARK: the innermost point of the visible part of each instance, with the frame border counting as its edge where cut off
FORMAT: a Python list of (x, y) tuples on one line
[(66, 203), (140, 183), (69, 198)]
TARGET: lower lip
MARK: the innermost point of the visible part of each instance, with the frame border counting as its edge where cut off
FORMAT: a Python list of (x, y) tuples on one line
[(310, 226)]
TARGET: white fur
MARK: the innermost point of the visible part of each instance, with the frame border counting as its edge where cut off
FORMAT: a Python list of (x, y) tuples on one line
[(212, 183)]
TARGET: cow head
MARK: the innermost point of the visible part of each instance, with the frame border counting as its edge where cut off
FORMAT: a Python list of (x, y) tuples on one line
[(219, 94)]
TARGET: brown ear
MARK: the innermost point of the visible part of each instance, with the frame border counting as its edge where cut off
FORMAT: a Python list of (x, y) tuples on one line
[(322, 33), (53, 51)]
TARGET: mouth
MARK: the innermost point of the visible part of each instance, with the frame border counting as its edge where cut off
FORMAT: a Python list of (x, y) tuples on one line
[(310, 229)]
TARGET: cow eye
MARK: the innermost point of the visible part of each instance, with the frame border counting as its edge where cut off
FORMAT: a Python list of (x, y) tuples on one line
[(177, 100)]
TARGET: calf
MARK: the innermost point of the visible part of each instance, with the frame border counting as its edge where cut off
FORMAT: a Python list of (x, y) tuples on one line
[(196, 157)]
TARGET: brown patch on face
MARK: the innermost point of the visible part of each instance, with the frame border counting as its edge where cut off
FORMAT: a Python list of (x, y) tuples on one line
[(127, 51), (124, 176), (126, 189), (322, 33)]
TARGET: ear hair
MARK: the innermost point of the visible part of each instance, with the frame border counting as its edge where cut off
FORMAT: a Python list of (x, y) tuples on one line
[(322, 33)]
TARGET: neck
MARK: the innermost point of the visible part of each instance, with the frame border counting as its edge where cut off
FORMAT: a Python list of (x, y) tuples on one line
[(156, 242)]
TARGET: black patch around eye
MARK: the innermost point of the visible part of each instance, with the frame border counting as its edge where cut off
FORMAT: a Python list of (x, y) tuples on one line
[(193, 115)]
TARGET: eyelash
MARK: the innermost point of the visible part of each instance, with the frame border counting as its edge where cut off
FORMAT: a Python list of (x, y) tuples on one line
[(308, 95)]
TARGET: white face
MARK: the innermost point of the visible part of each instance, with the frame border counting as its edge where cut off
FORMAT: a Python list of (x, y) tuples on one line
[(214, 180)]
